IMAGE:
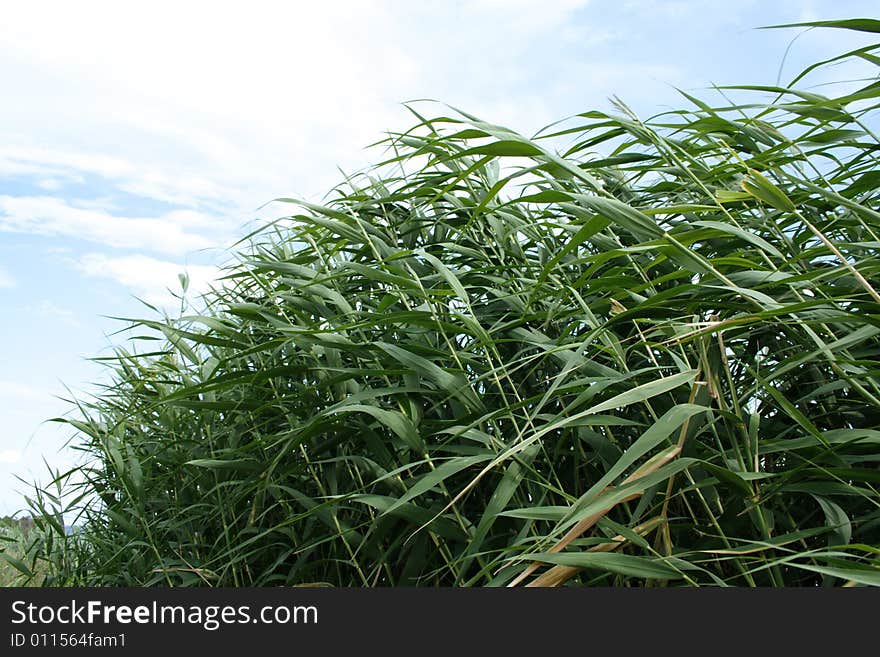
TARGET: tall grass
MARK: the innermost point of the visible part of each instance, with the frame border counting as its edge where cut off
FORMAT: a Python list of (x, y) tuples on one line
[(623, 352), (22, 552)]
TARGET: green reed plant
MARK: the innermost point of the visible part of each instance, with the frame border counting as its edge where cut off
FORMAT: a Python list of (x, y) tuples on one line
[(622, 352)]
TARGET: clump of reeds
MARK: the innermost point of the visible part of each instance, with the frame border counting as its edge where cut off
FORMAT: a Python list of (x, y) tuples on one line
[(622, 352)]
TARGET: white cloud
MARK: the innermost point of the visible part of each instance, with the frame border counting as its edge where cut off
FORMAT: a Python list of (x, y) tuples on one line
[(238, 106), (20, 391), (10, 455), (13, 167), (527, 15), (31, 159), (5, 279), (53, 312), (46, 215), (49, 184), (229, 102), (166, 183), (152, 280)]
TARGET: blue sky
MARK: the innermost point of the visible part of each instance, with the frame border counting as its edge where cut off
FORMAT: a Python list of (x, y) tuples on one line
[(137, 141)]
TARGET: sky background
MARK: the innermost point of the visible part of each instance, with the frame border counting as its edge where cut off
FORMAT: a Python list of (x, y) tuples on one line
[(140, 140)]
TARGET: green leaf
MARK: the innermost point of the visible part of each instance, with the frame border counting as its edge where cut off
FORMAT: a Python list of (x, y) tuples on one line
[(651, 438), (394, 420), (554, 513), (858, 24), (455, 384), (413, 514), (619, 564), (860, 574), (836, 519), (764, 190), (744, 235), (436, 476), (503, 148), (622, 214), (16, 563), (730, 196), (221, 464)]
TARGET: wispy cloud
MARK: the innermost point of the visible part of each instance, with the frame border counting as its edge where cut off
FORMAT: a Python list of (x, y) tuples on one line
[(10, 455), (525, 15), (20, 391), (47, 215), (34, 159), (168, 183), (5, 279), (271, 101), (154, 281), (50, 310), (50, 184)]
